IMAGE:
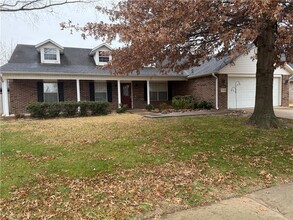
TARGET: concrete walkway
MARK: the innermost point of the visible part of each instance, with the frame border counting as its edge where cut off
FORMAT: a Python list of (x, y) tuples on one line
[(281, 112), (268, 204)]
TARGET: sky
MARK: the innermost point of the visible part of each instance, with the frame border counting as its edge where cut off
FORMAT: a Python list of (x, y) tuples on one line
[(34, 27)]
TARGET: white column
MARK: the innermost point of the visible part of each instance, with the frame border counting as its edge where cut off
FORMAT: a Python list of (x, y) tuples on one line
[(119, 93), (78, 90), (5, 99), (148, 93)]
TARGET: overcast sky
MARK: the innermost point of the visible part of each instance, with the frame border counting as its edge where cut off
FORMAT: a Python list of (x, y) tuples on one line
[(37, 26)]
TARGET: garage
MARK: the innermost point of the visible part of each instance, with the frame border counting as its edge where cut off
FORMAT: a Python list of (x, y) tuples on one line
[(241, 92)]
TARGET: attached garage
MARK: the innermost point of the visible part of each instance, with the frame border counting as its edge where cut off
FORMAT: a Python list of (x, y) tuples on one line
[(241, 92)]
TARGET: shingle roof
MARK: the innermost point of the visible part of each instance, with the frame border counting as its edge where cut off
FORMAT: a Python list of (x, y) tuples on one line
[(208, 67), (26, 59)]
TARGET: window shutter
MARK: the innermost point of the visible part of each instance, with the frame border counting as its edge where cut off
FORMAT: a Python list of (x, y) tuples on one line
[(145, 90), (40, 89), (170, 93), (92, 91), (61, 91), (109, 91)]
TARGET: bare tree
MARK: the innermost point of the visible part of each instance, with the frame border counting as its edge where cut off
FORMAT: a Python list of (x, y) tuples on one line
[(30, 5), (6, 51)]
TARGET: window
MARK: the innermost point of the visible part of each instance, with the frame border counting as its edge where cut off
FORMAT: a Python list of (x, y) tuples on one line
[(159, 91), (104, 56), (100, 91), (51, 92), (50, 54)]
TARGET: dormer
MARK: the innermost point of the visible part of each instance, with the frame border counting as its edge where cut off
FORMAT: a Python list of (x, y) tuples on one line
[(101, 54), (50, 51)]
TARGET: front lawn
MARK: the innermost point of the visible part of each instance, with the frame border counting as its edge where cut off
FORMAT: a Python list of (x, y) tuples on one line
[(121, 166)]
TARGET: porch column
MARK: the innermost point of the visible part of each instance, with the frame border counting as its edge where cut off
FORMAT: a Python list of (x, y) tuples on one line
[(119, 93), (148, 93), (5, 99), (78, 90)]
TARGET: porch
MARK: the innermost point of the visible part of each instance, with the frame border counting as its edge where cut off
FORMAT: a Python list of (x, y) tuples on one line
[(135, 93)]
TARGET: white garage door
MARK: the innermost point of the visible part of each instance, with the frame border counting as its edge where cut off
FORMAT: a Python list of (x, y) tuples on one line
[(245, 96)]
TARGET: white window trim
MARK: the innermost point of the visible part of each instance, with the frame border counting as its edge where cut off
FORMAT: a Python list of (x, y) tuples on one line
[(157, 91), (97, 91), (43, 60), (50, 92), (98, 56)]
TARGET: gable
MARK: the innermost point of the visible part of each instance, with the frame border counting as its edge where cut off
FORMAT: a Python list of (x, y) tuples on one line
[(97, 57), (245, 65)]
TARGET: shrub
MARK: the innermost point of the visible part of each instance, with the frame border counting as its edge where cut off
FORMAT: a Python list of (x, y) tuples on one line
[(69, 108), (164, 106), (204, 105), (50, 110), (53, 110), (183, 102), (83, 108), (122, 109), (37, 109), (149, 107), (98, 108)]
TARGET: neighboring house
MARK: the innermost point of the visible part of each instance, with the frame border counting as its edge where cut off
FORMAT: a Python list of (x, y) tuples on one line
[(48, 72)]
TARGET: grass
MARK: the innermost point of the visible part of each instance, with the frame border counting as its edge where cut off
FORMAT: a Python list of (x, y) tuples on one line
[(118, 166)]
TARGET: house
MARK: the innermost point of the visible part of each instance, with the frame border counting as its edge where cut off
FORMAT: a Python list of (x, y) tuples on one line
[(49, 72), (291, 89)]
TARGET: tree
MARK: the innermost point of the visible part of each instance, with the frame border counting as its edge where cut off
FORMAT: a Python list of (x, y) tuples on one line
[(31, 5), (182, 33)]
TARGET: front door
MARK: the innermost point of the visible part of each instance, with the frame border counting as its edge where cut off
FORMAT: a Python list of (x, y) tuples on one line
[(126, 94)]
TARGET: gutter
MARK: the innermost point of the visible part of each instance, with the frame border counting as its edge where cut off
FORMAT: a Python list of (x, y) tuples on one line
[(217, 91)]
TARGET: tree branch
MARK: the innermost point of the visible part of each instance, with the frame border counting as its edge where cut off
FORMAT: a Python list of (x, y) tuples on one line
[(30, 5)]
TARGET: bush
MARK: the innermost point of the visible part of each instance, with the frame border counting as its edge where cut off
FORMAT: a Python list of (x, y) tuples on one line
[(204, 105), (37, 110), (69, 109), (98, 108), (183, 102), (149, 107), (122, 109), (164, 106), (51, 110)]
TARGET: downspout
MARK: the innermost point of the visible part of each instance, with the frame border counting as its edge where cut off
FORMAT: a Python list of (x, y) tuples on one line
[(217, 91)]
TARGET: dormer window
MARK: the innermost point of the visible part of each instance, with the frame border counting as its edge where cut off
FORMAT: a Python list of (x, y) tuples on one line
[(104, 56), (50, 54), (101, 54)]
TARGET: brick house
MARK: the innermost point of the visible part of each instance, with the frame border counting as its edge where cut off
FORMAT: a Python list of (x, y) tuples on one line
[(48, 72)]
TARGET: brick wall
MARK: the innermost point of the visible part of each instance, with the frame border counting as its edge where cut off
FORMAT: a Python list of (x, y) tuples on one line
[(203, 88), (223, 91), (285, 91), (114, 103), (70, 90), (22, 92)]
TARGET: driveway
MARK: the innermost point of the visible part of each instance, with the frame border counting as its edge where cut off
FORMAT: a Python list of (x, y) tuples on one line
[(280, 112)]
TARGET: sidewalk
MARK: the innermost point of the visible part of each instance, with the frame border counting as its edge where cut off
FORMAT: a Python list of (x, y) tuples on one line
[(268, 204)]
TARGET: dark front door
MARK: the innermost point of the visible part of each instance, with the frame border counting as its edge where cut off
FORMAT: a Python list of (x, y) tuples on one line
[(126, 94)]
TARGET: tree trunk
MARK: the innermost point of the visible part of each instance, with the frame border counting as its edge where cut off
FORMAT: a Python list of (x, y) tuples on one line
[(263, 115)]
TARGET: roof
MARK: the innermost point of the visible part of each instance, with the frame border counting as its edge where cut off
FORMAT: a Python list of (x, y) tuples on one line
[(208, 67), (26, 59), (291, 79), (93, 51), (49, 41)]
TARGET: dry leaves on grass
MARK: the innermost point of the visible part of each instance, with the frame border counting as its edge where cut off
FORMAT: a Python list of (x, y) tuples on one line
[(125, 193)]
